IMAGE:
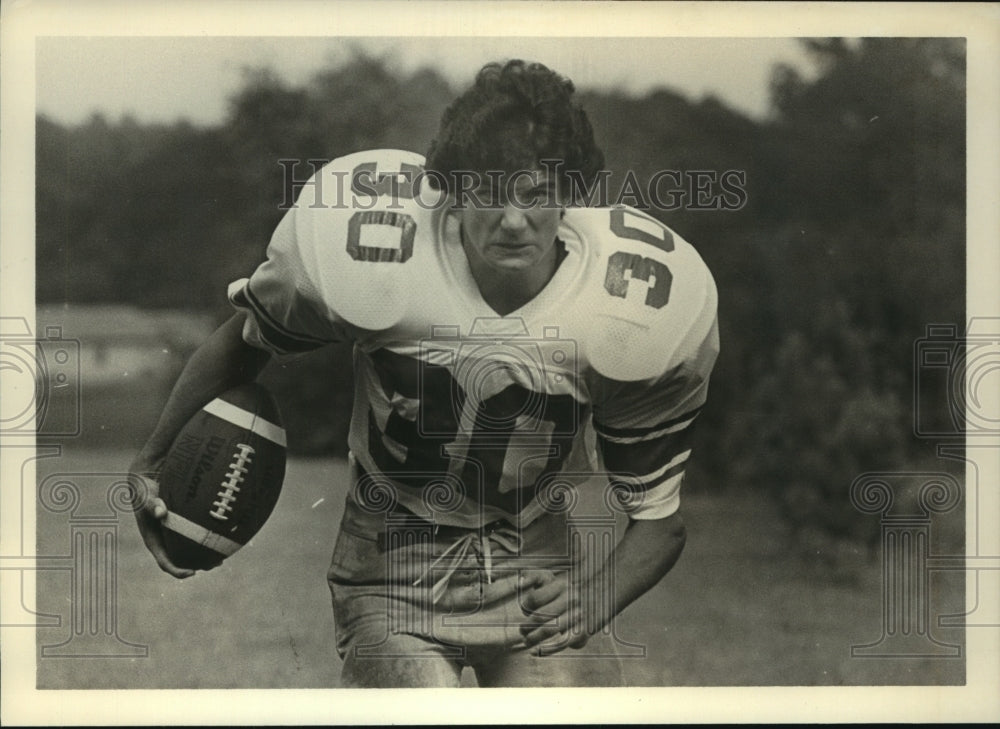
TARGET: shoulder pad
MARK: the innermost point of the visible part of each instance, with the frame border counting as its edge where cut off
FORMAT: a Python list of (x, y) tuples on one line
[(652, 297), (357, 230)]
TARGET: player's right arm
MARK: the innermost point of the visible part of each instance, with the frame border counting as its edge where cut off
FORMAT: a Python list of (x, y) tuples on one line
[(223, 361), (289, 305)]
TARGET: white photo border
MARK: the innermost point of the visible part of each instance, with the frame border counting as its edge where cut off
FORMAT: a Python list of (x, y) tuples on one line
[(22, 22)]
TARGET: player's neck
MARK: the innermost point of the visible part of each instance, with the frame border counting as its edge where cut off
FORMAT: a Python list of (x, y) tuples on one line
[(508, 291)]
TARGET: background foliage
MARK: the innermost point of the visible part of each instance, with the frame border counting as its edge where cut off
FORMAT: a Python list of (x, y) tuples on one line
[(852, 241)]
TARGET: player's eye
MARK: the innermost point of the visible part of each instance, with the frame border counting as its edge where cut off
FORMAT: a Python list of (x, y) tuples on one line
[(542, 195), (489, 198)]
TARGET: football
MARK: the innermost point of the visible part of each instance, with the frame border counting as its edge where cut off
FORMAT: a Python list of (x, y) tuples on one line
[(222, 477)]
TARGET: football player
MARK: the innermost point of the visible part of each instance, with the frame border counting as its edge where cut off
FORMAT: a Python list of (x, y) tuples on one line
[(509, 347)]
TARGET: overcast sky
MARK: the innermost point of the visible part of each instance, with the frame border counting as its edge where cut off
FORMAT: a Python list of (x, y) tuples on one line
[(167, 78)]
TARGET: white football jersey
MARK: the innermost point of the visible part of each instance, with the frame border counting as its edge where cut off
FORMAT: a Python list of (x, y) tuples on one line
[(467, 415)]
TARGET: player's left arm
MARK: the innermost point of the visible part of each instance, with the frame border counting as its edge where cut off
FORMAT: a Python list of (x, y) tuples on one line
[(644, 433), (647, 551)]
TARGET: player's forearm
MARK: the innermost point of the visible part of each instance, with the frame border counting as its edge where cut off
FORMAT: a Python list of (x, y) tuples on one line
[(223, 361), (648, 550)]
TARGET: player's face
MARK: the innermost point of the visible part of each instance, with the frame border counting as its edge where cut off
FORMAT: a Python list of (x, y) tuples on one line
[(510, 222)]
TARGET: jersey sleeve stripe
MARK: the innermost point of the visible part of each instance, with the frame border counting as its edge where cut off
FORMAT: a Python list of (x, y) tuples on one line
[(280, 338), (650, 431), (652, 435), (675, 467), (661, 501), (643, 456), (258, 307)]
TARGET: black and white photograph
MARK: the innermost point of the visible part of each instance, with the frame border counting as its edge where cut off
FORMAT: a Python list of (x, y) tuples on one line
[(484, 348)]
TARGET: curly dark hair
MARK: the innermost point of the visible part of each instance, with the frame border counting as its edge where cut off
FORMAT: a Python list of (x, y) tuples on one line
[(515, 115)]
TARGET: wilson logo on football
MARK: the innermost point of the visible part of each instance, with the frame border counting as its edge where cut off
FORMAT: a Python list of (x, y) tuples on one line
[(231, 486)]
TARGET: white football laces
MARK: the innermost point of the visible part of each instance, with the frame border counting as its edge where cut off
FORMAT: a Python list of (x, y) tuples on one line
[(231, 486)]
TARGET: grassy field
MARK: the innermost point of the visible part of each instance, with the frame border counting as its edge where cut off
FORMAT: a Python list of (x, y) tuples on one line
[(740, 608)]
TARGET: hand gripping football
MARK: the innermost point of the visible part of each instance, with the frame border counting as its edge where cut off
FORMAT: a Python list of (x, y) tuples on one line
[(222, 477)]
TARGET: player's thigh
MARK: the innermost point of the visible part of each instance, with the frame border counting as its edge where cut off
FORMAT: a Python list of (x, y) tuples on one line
[(597, 665), (400, 661)]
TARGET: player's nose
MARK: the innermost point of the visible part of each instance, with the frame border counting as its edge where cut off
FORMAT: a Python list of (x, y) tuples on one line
[(513, 217)]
